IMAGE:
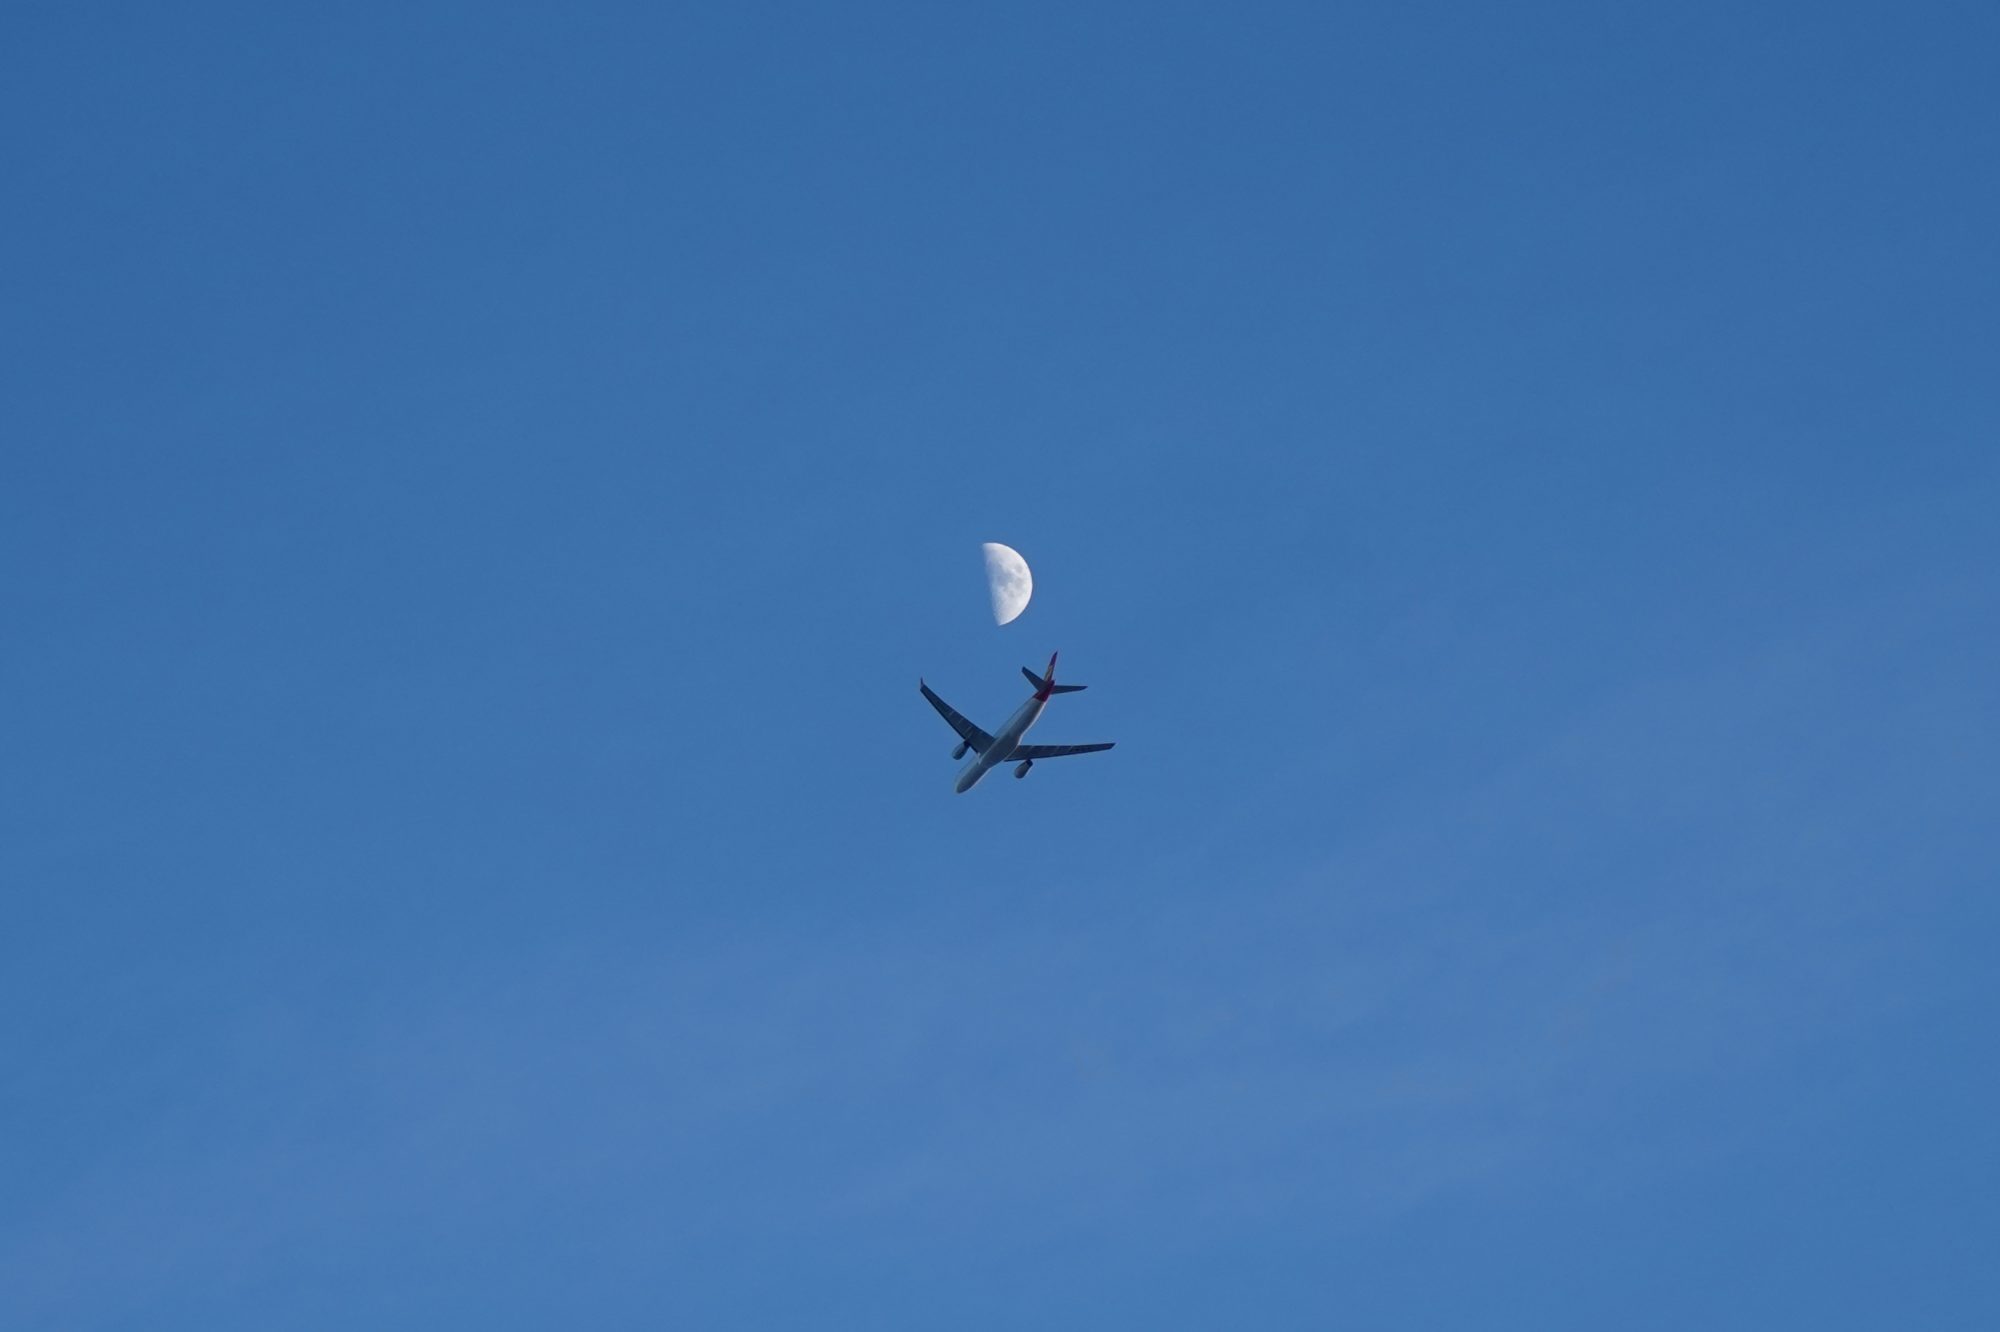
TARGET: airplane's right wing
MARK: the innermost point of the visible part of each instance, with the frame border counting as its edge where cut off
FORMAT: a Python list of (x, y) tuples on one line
[(967, 732), (1054, 751)]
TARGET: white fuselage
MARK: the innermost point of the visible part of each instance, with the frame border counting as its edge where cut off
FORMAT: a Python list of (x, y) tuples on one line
[(1003, 744)]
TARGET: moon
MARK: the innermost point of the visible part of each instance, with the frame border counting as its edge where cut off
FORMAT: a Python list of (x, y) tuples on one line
[(1008, 579)]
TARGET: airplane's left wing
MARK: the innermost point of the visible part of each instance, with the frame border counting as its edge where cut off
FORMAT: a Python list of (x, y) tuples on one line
[(967, 732), (1053, 751)]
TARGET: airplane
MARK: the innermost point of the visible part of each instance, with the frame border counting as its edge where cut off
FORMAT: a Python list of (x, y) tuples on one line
[(994, 750)]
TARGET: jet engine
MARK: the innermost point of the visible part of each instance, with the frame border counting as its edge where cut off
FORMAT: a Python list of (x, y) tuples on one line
[(1022, 771), (959, 753)]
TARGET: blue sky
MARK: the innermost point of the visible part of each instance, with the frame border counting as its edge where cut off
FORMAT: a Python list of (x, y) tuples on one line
[(480, 484)]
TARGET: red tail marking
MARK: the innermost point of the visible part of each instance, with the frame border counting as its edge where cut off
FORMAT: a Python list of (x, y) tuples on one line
[(1048, 679)]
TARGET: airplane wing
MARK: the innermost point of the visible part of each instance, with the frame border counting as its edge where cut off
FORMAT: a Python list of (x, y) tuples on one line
[(1052, 751), (967, 732)]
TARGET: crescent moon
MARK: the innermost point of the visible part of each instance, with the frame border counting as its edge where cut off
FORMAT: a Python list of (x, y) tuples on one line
[(1008, 579)]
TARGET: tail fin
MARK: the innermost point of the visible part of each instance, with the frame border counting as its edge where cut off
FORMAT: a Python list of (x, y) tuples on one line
[(1046, 685)]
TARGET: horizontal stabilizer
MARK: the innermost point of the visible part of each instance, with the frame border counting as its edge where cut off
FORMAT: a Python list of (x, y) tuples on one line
[(1044, 687)]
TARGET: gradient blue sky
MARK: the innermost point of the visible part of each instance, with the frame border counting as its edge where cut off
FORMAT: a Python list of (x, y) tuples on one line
[(479, 486)]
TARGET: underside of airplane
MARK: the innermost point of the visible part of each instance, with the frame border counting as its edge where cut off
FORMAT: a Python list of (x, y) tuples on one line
[(990, 751)]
